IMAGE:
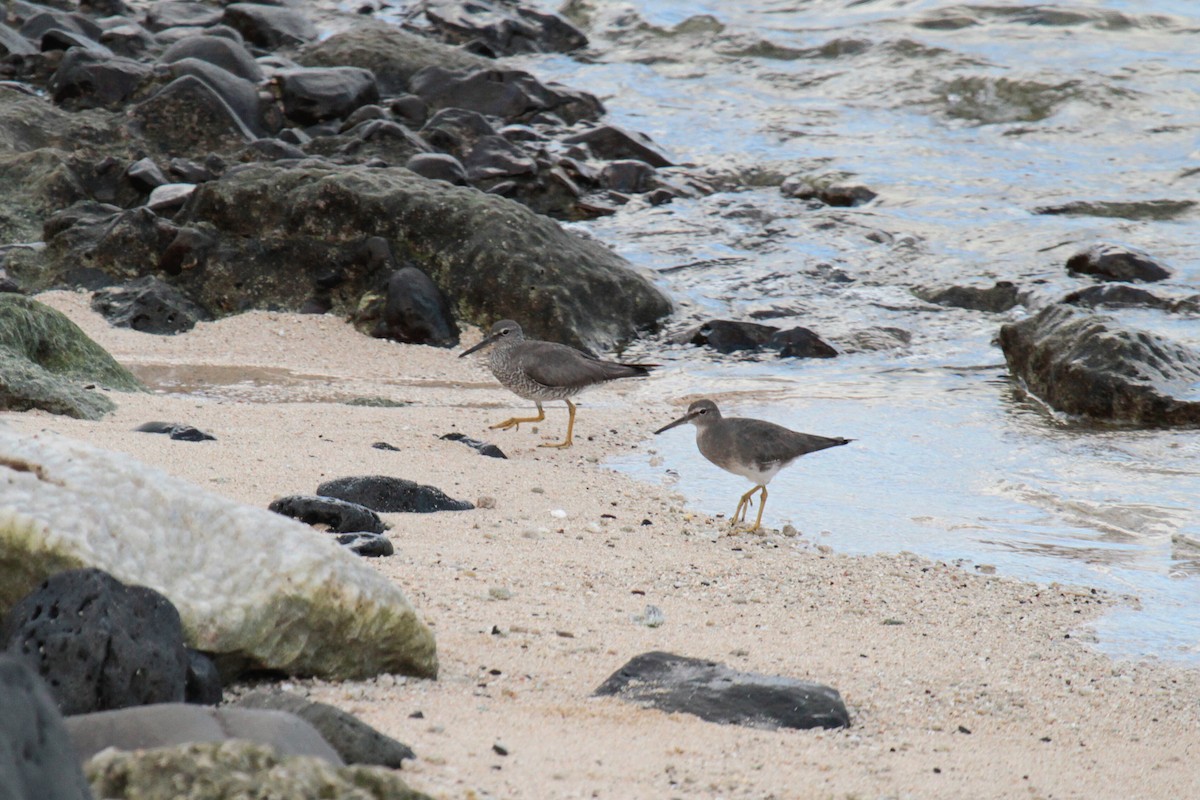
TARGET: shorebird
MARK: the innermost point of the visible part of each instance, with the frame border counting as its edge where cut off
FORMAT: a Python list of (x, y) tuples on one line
[(753, 448), (543, 371)]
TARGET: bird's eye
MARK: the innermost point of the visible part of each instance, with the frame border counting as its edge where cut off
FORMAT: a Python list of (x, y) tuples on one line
[(704, 411), (505, 331)]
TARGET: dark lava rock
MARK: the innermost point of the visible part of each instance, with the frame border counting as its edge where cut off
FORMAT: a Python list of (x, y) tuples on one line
[(87, 80), (1132, 209), (719, 694), (367, 545), (218, 51), (729, 336), (1117, 263), (372, 141), (338, 516), (506, 27), (416, 311), (177, 431), (149, 305), (354, 740), (410, 110), (129, 39), (37, 759), (203, 685), (800, 343), (611, 143), (387, 494), (315, 94), (1001, 297), (1117, 295), (627, 175), (189, 116), (483, 447), (98, 643), (438, 167), (269, 27), (1092, 366), (506, 93), (393, 55), (145, 175)]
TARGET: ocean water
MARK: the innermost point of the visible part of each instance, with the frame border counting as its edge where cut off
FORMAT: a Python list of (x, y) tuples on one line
[(968, 120)]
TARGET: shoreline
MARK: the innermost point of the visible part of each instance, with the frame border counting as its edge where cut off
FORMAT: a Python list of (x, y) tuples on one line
[(958, 684)]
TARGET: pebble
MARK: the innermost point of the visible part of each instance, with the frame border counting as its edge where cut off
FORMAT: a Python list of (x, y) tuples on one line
[(652, 617), (558, 513), (500, 593), (485, 502)]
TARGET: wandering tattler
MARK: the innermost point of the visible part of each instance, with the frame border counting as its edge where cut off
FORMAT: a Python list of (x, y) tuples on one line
[(753, 448), (542, 371)]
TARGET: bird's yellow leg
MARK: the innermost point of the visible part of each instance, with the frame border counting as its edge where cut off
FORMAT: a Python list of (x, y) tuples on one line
[(739, 514), (515, 422), (570, 428), (761, 505)]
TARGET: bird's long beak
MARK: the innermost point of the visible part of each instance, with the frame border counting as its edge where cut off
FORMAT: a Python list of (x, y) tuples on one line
[(686, 418), (479, 346)]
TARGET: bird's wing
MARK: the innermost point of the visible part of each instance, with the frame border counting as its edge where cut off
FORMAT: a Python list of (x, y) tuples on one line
[(777, 444), (553, 364)]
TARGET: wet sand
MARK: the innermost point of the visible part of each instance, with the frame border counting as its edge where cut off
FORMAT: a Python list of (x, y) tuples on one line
[(959, 684)]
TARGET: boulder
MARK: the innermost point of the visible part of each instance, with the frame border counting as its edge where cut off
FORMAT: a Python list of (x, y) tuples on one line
[(1116, 263), (236, 768), (217, 50), (188, 116), (414, 311), (388, 495), (98, 643), (719, 694), (269, 27), (174, 724), (259, 591), (149, 305), (506, 28), (37, 759), (14, 44), (85, 79), (29, 122), (728, 336), (336, 516), (315, 94), (46, 362), (164, 14), (507, 93), (1116, 295), (48, 182), (1092, 366), (800, 343), (393, 55), (610, 142), (240, 94), (354, 740), (1001, 297)]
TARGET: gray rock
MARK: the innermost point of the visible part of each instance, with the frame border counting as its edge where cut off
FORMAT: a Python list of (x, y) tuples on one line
[(129, 39), (14, 44), (177, 431), (800, 343), (484, 448), (236, 768), (217, 50), (415, 311), (87, 80), (627, 175), (165, 14), (173, 724), (46, 361), (37, 761), (506, 93), (269, 27), (1092, 366), (319, 611), (388, 495), (610, 142), (391, 54), (239, 94), (1117, 263), (169, 197), (28, 122), (145, 175), (149, 305), (438, 167), (98, 643), (354, 740), (367, 545), (203, 685), (507, 28), (337, 516), (719, 694), (728, 336), (381, 139), (1001, 297), (315, 94), (1116, 295), (187, 115)]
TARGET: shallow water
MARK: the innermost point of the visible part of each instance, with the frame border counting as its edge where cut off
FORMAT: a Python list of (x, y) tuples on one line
[(966, 119)]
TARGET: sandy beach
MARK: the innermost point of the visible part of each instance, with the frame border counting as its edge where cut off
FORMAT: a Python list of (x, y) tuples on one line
[(959, 685)]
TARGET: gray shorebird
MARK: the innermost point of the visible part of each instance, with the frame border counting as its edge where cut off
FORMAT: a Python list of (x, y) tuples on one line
[(543, 371), (753, 448)]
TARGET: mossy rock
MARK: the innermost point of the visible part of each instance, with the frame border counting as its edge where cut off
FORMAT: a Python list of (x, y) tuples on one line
[(46, 361)]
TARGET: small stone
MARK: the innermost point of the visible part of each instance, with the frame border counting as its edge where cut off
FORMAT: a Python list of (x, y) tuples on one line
[(500, 593), (486, 501), (558, 513), (652, 617)]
